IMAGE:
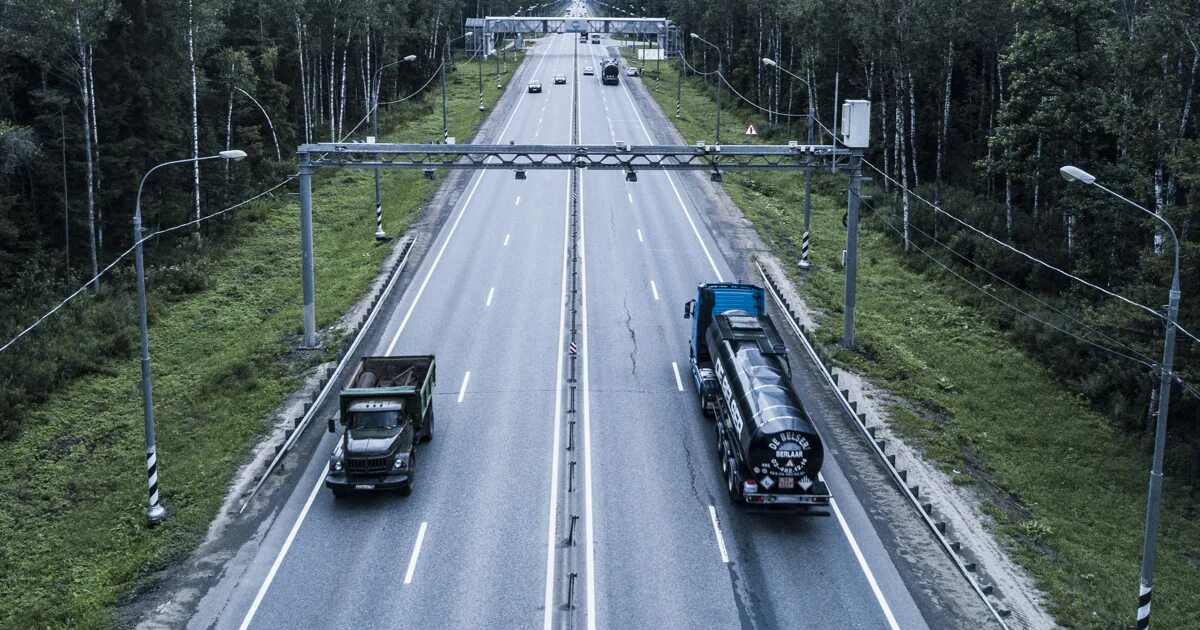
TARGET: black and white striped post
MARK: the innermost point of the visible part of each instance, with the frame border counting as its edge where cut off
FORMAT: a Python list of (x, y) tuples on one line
[(1143, 612), (155, 513), (804, 264)]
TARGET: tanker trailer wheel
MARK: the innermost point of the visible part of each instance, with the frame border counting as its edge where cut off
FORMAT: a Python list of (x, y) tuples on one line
[(412, 473), (734, 480), (427, 433)]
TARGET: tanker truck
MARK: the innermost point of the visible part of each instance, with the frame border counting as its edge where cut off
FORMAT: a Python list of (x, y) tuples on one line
[(769, 448), (610, 72), (385, 410)]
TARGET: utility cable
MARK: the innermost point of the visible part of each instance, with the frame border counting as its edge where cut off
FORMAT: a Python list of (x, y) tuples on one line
[(1014, 287), (125, 253), (997, 298)]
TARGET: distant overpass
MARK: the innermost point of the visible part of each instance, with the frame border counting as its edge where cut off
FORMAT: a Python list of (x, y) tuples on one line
[(666, 33)]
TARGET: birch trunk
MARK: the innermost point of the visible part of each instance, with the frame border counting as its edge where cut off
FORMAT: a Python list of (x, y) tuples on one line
[(85, 94), (912, 128), (303, 80), (95, 145), (944, 127), (1008, 206), (902, 158), (228, 126), (332, 73), (191, 41), (342, 96)]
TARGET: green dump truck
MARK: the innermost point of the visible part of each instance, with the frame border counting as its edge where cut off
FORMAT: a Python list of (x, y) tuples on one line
[(386, 410)]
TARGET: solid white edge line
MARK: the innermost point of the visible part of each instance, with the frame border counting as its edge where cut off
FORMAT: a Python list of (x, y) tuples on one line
[(491, 292), (862, 562), (671, 181), (654, 289), (454, 228), (712, 514), (548, 605), (640, 239), (678, 381), (463, 390), (588, 513), (287, 544), (412, 562)]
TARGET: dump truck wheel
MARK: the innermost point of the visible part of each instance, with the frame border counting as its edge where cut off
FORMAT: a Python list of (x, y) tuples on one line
[(427, 433), (412, 473)]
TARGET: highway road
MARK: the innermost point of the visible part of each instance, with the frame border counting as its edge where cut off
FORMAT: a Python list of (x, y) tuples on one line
[(479, 543)]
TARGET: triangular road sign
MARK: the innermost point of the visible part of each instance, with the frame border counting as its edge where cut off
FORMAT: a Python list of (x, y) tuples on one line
[(751, 131)]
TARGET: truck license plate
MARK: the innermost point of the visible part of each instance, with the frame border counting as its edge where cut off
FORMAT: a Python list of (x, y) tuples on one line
[(786, 483), (365, 486)]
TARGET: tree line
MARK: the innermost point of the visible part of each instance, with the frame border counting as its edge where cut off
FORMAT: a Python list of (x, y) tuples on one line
[(975, 107), (93, 93)]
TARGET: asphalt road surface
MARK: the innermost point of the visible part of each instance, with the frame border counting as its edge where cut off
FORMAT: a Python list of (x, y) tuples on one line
[(479, 543)]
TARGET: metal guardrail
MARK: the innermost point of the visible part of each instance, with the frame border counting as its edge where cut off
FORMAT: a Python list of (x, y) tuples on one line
[(924, 509), (333, 375)]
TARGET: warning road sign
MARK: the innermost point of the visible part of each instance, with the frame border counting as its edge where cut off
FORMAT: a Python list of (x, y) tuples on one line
[(751, 131)]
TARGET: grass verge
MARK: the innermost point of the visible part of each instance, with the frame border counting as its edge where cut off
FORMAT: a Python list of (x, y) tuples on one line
[(73, 486), (1073, 488)]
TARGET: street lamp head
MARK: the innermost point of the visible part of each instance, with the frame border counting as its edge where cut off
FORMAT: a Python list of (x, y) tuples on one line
[(1075, 174), (768, 61), (410, 58), (694, 36), (233, 154)]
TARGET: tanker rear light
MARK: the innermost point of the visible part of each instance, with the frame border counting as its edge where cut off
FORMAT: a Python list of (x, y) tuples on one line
[(750, 486)]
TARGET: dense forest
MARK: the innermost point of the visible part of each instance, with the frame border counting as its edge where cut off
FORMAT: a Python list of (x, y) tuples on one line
[(93, 93), (976, 106)]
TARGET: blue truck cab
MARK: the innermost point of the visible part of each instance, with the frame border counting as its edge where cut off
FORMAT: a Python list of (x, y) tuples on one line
[(711, 300)]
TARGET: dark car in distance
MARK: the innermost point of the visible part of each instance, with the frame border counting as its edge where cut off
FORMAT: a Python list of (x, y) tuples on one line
[(535, 86), (560, 79)]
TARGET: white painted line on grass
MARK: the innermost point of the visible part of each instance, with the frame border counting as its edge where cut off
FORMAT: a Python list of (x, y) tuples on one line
[(463, 390), (506, 239), (287, 544), (712, 513), (654, 288), (491, 292), (412, 562), (678, 381), (640, 239)]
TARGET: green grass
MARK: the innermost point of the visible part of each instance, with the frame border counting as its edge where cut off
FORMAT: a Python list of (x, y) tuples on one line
[(73, 487), (1073, 487)]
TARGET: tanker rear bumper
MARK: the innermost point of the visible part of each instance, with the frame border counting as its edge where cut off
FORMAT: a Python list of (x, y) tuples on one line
[(810, 503)]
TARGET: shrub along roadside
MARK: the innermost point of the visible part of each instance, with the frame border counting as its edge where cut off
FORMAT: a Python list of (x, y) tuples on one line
[(72, 485), (1077, 485)]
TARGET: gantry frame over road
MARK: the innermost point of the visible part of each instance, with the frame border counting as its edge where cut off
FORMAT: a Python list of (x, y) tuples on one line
[(663, 29), (710, 158)]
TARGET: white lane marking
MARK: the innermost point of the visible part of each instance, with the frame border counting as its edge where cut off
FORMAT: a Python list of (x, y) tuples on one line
[(671, 180), (454, 228), (518, 201), (712, 514), (654, 288), (463, 390), (287, 544), (412, 562), (551, 539), (640, 239), (588, 513), (491, 292), (678, 381), (862, 562), (630, 195), (506, 239)]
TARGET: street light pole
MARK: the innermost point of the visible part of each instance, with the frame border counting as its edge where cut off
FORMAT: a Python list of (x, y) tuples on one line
[(1154, 498), (719, 78), (155, 513), (379, 233), (808, 169)]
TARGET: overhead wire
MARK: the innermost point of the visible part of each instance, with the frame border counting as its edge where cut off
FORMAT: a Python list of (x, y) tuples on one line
[(126, 253)]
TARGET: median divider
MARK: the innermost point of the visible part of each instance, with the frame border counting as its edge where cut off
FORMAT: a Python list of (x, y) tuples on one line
[(954, 549), (333, 374)]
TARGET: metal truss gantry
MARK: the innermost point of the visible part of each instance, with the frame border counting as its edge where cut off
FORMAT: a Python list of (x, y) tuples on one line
[(520, 157)]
